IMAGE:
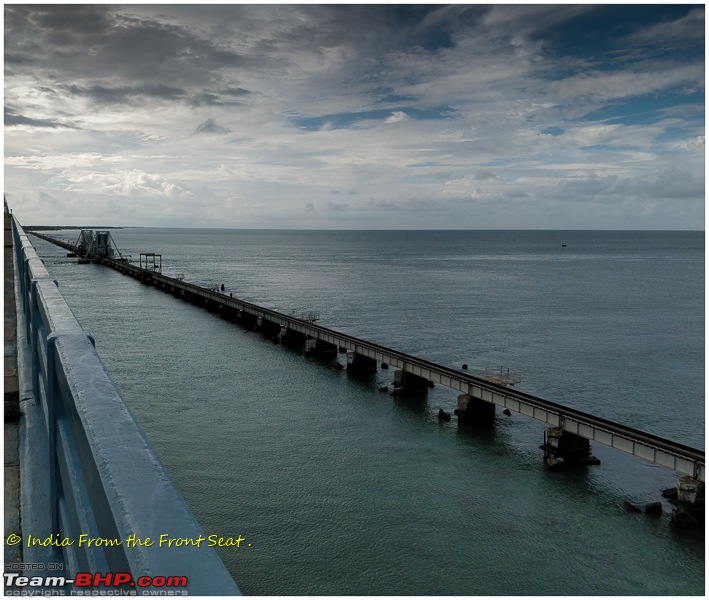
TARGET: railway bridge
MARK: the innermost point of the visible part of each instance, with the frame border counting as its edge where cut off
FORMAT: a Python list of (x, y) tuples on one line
[(566, 441)]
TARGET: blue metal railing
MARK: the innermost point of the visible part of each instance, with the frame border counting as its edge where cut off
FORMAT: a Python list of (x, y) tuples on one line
[(87, 468)]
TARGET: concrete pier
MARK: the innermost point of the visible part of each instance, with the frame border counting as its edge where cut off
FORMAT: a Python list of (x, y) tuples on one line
[(293, 338), (228, 314), (247, 320), (408, 384), (358, 364), (564, 449), (690, 503), (212, 306), (322, 348), (270, 329), (473, 411)]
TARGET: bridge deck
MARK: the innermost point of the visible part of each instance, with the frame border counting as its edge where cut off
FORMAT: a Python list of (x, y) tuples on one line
[(86, 467), (661, 451)]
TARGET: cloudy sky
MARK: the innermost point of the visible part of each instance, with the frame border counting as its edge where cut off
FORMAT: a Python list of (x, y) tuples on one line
[(356, 117)]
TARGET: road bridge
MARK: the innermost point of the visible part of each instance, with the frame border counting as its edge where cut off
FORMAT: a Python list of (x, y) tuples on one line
[(94, 496)]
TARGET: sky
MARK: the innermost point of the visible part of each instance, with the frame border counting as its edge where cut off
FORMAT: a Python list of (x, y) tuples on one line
[(356, 116)]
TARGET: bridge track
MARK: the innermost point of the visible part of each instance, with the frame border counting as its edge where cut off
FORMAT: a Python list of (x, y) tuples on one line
[(659, 450)]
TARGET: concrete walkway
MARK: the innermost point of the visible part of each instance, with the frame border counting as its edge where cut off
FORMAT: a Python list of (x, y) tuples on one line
[(12, 554)]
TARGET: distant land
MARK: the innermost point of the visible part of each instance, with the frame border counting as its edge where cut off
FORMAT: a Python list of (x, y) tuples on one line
[(57, 227)]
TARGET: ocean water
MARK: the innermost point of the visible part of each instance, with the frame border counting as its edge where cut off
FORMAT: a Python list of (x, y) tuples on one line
[(341, 489)]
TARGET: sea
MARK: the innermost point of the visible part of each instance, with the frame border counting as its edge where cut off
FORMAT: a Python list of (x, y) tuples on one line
[(340, 489)]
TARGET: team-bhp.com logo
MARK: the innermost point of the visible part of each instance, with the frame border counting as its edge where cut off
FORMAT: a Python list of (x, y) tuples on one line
[(121, 582)]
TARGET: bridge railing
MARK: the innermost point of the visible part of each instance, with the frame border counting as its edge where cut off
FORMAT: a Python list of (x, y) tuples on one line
[(89, 473)]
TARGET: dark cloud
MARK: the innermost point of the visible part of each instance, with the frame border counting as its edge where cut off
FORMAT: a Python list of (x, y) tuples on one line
[(101, 94), (223, 97), (235, 91), (210, 126), (72, 18), (205, 99), (34, 31), (94, 43), (12, 118), (15, 59)]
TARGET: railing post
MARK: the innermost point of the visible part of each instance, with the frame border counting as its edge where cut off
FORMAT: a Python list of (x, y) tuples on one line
[(17, 251), (33, 327), (24, 282), (52, 395)]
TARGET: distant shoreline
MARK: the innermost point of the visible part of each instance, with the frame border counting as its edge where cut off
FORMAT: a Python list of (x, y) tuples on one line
[(281, 229), (58, 227)]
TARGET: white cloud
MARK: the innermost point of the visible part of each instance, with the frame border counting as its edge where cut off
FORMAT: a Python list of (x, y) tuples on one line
[(695, 144), (397, 117), (120, 182)]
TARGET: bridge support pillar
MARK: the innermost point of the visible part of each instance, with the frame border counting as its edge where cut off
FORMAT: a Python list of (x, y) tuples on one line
[(316, 347), (194, 299), (408, 384), (228, 313), (292, 338), (359, 364), (247, 320), (473, 411), (563, 449), (690, 503), (212, 306), (270, 329)]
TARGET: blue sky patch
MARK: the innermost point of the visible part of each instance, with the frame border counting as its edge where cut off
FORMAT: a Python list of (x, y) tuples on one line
[(346, 120), (649, 109)]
